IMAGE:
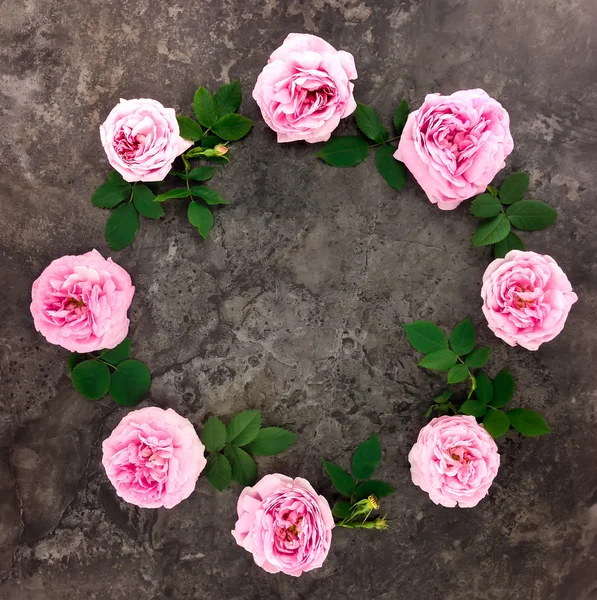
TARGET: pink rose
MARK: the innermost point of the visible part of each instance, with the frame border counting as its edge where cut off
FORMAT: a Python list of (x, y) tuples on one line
[(141, 139), (454, 145), (153, 458), (305, 89), (80, 302), (526, 298), (454, 460), (284, 524)]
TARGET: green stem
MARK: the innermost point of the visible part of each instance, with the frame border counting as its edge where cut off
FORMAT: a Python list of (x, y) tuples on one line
[(106, 363), (386, 142), (132, 188), (471, 377)]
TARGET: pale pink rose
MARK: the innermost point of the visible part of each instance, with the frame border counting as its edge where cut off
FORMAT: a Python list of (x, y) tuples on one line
[(284, 524), (454, 460), (80, 302), (141, 139), (153, 458), (454, 145), (526, 298), (305, 89)]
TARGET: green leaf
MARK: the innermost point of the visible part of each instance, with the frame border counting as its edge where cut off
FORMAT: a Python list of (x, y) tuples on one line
[(111, 193), (369, 123), (486, 205), (473, 408), (178, 174), (211, 141), (491, 231), (130, 383), (271, 441), (205, 108), (513, 188), (366, 458), (443, 397), (392, 170), (528, 422), (503, 389), (189, 128), (531, 215), (119, 353), (496, 423), (218, 471), (244, 469), (493, 191), (201, 173), (341, 510), (477, 358), (174, 193), (92, 379), (200, 216), (462, 338), (232, 127), (144, 201), (344, 151), (429, 411), (244, 427), (228, 98), (510, 242), (210, 196), (375, 487), (457, 373), (425, 336), (484, 390), (122, 226), (401, 116), (440, 360), (213, 434), (341, 480), (74, 358)]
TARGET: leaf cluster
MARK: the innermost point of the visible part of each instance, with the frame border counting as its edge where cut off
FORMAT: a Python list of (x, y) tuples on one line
[(110, 372), (350, 150), (231, 448)]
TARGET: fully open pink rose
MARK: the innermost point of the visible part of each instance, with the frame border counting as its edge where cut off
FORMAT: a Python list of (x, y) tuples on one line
[(526, 298), (454, 145), (305, 89), (80, 302), (454, 460), (141, 139), (285, 524), (153, 458)]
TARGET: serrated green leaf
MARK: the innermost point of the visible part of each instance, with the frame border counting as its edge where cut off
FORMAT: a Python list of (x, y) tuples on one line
[(473, 408), (380, 489), (244, 427), (401, 116), (144, 201), (200, 216), (74, 358), (457, 373), (271, 441), (486, 205), (440, 360), (392, 170), (477, 358), (189, 128), (528, 422), (503, 389), (205, 108), (130, 383), (341, 480), (484, 390), (218, 471), (91, 378), (111, 193), (341, 510), (510, 242), (228, 98), (213, 434), (366, 458), (344, 151), (531, 215), (210, 196), (370, 124), (496, 423), (462, 338), (122, 226), (491, 231), (514, 187), (119, 353), (425, 337), (201, 173), (174, 193), (244, 469), (232, 127)]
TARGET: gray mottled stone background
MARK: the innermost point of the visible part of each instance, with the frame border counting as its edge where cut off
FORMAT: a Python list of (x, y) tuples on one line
[(294, 305)]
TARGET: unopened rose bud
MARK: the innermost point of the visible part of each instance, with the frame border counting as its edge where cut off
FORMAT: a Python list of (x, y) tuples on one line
[(220, 150)]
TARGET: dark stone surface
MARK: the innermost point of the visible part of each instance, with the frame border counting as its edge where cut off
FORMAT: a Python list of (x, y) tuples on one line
[(294, 305)]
